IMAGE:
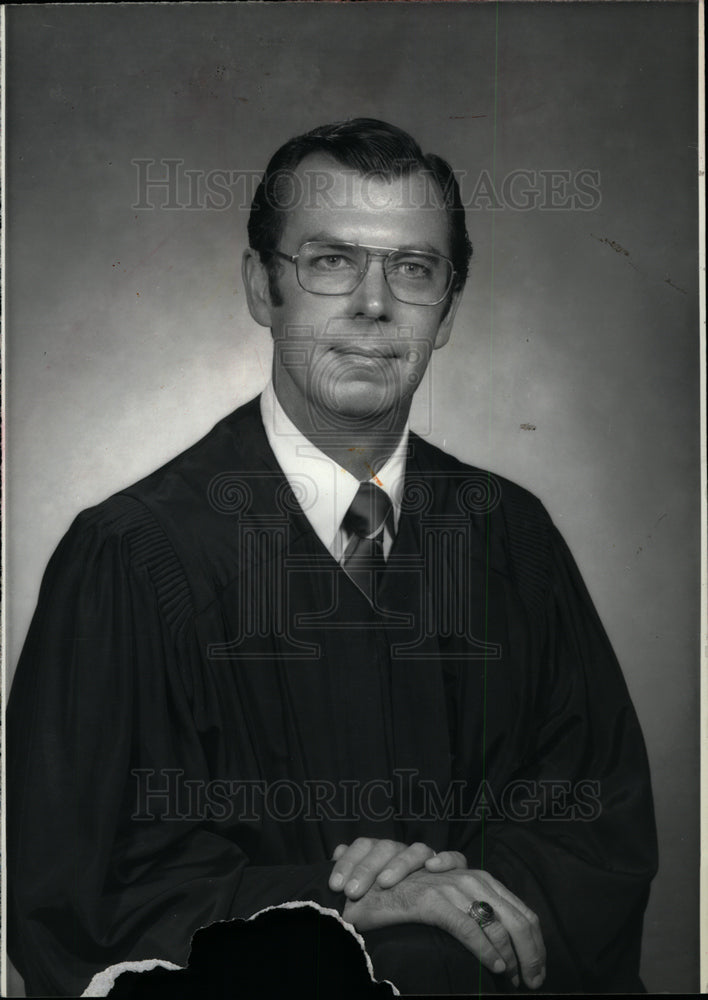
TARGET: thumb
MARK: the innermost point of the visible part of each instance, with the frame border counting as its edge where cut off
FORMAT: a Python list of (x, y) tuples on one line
[(446, 861)]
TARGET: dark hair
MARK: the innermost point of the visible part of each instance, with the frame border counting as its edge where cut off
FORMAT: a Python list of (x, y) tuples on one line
[(371, 147)]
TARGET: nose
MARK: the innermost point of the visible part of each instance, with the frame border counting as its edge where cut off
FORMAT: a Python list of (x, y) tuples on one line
[(372, 297)]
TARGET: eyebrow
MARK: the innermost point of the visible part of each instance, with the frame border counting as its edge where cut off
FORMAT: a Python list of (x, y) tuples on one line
[(325, 237)]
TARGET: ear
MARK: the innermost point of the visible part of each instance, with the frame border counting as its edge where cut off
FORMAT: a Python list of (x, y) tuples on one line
[(445, 328), (255, 281)]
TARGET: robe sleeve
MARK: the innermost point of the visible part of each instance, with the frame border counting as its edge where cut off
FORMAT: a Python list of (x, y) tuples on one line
[(585, 862), (99, 691)]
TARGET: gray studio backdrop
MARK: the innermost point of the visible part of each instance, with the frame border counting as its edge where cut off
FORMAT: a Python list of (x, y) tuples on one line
[(573, 367)]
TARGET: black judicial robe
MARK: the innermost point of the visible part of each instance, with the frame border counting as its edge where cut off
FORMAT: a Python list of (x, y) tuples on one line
[(206, 706)]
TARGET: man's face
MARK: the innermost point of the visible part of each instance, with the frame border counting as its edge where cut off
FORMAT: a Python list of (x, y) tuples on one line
[(356, 357)]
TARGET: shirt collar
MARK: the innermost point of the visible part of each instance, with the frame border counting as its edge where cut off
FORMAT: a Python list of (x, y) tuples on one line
[(322, 487)]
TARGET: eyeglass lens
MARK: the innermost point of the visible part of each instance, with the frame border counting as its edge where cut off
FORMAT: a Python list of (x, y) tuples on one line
[(336, 269)]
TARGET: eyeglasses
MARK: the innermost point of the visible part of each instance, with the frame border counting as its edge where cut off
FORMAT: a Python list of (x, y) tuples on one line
[(418, 277)]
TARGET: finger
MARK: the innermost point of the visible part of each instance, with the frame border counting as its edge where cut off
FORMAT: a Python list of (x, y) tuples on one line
[(352, 854), (501, 890), (529, 947), (364, 873), (534, 923), (497, 933), (448, 910), (524, 933), (338, 851), (445, 861), (532, 959), (409, 860)]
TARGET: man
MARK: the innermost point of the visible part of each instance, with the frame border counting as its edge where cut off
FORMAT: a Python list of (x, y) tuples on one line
[(317, 658)]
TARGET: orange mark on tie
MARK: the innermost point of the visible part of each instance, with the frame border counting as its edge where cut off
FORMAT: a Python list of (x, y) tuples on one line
[(374, 476)]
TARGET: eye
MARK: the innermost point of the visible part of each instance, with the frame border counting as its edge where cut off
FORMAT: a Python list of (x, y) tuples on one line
[(412, 269), (331, 262)]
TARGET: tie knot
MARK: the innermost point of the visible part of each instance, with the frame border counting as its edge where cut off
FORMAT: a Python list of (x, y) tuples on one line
[(368, 511)]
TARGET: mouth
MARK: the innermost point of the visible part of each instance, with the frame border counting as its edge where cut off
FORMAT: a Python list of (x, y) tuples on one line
[(355, 350)]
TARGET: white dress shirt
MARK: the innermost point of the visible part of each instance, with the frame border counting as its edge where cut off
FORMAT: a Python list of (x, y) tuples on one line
[(322, 487)]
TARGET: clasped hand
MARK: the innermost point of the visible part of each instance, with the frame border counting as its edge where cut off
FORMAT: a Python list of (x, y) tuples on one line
[(387, 882)]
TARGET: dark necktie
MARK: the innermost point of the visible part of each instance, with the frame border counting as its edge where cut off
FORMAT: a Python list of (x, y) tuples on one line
[(363, 558)]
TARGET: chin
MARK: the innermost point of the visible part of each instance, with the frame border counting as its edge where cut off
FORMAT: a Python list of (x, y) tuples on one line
[(363, 396), (362, 401)]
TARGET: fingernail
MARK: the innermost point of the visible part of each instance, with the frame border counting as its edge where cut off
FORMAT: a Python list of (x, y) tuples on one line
[(385, 874), (337, 881), (536, 982), (515, 981), (499, 966), (353, 886)]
